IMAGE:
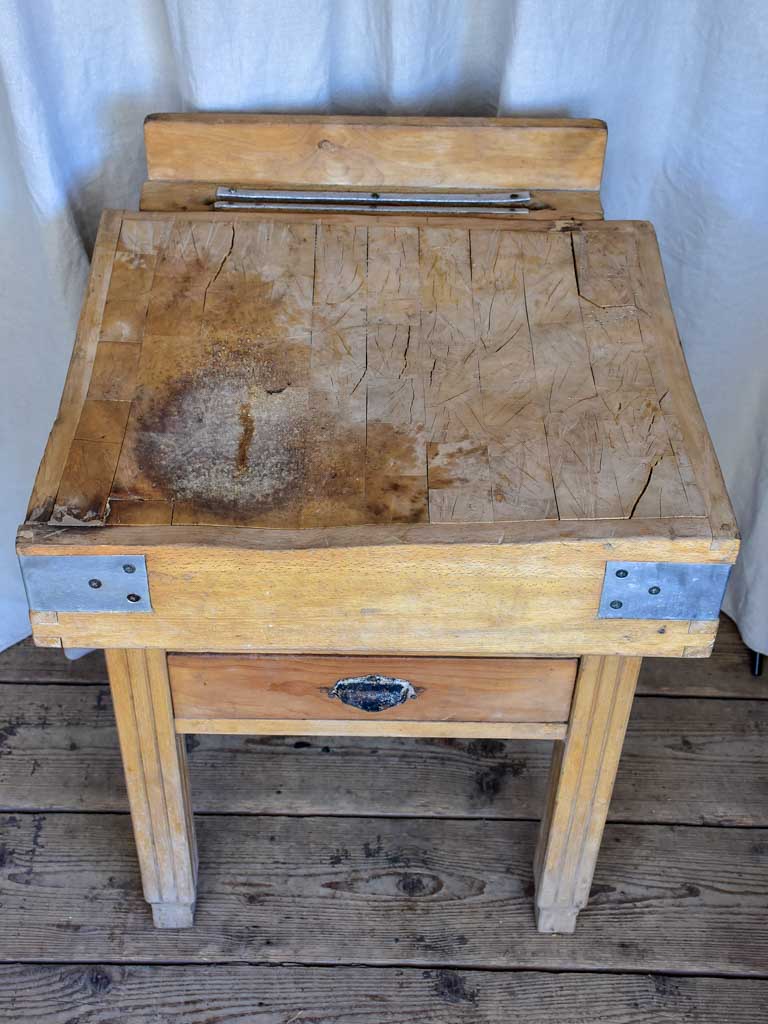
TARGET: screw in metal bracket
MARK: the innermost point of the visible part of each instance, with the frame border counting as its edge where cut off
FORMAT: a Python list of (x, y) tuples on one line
[(94, 584), (129, 568), (133, 598), (617, 604), (654, 590), (622, 573)]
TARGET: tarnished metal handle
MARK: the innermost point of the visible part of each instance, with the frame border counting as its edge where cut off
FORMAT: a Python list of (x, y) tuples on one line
[(373, 693)]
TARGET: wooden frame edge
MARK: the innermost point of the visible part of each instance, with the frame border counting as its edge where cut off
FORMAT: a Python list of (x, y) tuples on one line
[(686, 403), (176, 145), (78, 376), (340, 727), (43, 539), (239, 117)]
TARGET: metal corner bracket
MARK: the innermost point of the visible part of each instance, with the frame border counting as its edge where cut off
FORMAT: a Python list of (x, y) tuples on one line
[(662, 590), (86, 583)]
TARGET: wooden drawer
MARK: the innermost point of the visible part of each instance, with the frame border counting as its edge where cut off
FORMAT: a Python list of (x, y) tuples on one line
[(370, 695)]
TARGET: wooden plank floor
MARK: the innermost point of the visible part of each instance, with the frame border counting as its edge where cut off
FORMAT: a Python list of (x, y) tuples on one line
[(386, 880)]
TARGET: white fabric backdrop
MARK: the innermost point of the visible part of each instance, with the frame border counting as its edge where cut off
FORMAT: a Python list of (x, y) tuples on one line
[(683, 85)]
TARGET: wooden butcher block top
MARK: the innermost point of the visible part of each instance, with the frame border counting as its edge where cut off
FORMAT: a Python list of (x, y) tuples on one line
[(266, 371), (320, 424)]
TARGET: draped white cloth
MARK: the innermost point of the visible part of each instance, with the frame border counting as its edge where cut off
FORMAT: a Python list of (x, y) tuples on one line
[(683, 85)]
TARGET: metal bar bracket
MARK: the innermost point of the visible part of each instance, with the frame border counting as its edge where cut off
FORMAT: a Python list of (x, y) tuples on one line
[(662, 590), (309, 200), (86, 583)]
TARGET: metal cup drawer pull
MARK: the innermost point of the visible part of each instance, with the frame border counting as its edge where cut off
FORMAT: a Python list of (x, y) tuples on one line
[(373, 693)]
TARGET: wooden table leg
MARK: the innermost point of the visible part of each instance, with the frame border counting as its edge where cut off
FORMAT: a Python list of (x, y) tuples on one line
[(154, 759), (581, 781)]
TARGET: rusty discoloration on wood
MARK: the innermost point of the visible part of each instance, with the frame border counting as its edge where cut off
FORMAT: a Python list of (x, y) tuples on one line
[(324, 373), (222, 440), (395, 490), (237, 439), (247, 426)]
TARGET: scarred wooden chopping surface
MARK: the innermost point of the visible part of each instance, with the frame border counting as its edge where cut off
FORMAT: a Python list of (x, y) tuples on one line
[(279, 373)]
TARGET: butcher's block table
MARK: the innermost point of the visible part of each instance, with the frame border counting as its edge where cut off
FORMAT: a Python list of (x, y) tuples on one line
[(376, 444)]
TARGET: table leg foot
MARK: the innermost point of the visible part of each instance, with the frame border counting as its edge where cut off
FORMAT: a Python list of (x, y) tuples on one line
[(155, 763), (173, 915), (581, 782), (556, 920)]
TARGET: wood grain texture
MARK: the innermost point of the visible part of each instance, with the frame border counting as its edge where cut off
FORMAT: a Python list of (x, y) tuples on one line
[(376, 727), (583, 770), (275, 890), (692, 761), (110, 374), (103, 993), (199, 196), (679, 402), (368, 376), (545, 153), (155, 765), (393, 597), (86, 481), (302, 374), (79, 374), (446, 689)]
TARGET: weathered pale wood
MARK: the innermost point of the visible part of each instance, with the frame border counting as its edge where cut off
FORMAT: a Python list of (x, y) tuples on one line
[(544, 153), (105, 993), (140, 511), (86, 481), (678, 399), (583, 771), (692, 761), (504, 474), (320, 890), (462, 690), (341, 727), (199, 196), (115, 372), (330, 458), (102, 421), (681, 530), (396, 478), (319, 373), (390, 595), (79, 374), (154, 759), (512, 402), (45, 641)]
